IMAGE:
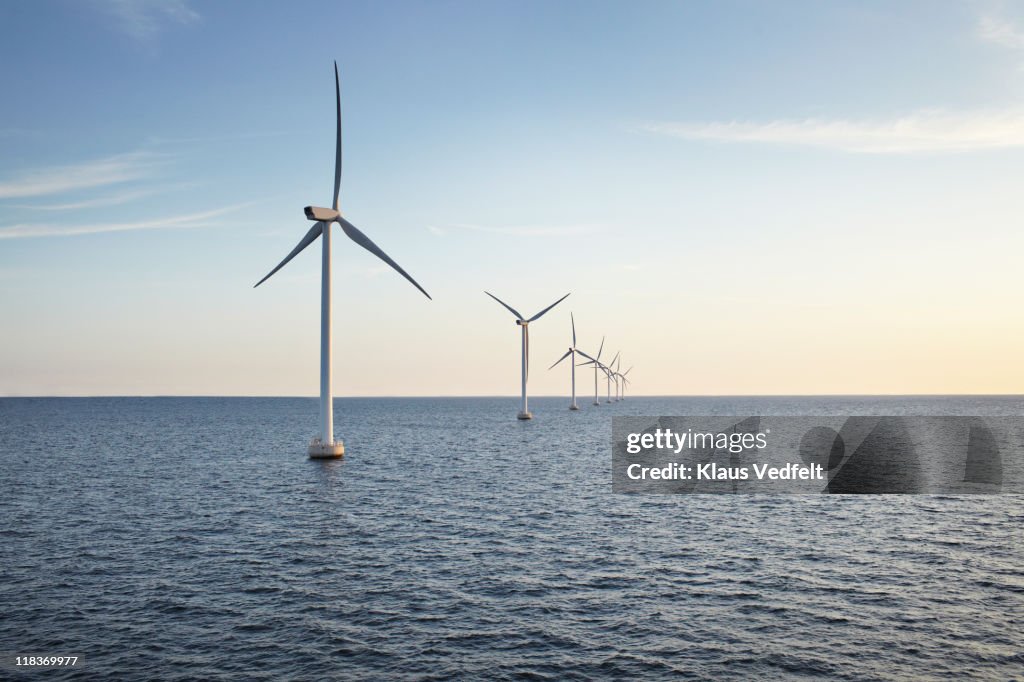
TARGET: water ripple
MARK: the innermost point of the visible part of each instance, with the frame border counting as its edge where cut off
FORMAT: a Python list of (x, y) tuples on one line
[(191, 538)]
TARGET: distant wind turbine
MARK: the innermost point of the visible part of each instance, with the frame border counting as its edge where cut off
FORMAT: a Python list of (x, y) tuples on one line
[(525, 324), (572, 362), (625, 382), (596, 362), (325, 446), (598, 365), (608, 376), (615, 377)]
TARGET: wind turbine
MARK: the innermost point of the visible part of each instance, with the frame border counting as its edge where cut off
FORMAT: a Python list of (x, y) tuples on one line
[(525, 324), (607, 372), (615, 377), (625, 382), (596, 362), (325, 446), (572, 362), (608, 377)]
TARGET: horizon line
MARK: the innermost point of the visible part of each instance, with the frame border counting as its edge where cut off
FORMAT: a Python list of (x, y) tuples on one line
[(516, 397)]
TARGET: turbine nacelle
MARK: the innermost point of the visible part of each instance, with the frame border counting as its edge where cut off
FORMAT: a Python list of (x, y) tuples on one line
[(316, 213)]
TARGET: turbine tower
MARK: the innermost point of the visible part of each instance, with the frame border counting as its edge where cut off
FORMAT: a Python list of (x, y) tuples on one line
[(598, 365), (325, 446), (625, 382), (572, 362), (608, 377), (524, 413), (596, 362), (616, 376)]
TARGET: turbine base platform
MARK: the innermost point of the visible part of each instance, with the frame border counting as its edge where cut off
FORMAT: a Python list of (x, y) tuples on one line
[(597, 404), (574, 407), (524, 415), (320, 450)]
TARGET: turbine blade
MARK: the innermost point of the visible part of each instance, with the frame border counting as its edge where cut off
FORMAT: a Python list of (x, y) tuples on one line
[(627, 371), (585, 355), (548, 308), (567, 354), (507, 306), (310, 237), (592, 362), (359, 238), (613, 360), (337, 152), (573, 319), (600, 349)]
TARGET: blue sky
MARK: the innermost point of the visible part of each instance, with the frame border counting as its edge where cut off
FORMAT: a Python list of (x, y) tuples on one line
[(744, 197)]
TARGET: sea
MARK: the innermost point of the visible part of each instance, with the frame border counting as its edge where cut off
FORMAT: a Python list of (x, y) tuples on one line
[(192, 538)]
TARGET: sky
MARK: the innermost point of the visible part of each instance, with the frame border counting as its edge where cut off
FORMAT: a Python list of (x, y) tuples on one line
[(744, 197)]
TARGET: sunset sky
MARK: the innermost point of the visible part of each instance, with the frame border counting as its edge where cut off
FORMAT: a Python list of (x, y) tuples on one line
[(743, 197)]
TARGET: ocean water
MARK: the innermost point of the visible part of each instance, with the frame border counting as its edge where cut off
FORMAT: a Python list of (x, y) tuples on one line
[(191, 538)]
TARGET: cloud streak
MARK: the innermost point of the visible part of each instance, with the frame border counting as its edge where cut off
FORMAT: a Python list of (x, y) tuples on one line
[(920, 132), (97, 173), (143, 20), (1000, 31), (519, 230), (191, 220), (113, 200)]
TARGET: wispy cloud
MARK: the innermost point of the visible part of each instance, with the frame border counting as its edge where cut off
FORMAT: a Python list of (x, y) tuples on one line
[(191, 220), (143, 20), (924, 131), (518, 230), (223, 137), (998, 30), (91, 174), (113, 200)]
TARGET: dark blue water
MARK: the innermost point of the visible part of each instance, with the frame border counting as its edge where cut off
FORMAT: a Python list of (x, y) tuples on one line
[(191, 538)]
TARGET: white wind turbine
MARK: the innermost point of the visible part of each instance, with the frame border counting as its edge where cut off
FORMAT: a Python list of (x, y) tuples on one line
[(608, 377), (596, 362), (572, 362), (615, 377), (325, 446), (598, 365), (525, 324), (625, 382)]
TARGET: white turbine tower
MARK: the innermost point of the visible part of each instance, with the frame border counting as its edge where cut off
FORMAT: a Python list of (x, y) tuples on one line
[(596, 362), (608, 376), (598, 365), (325, 446), (524, 413), (572, 362), (616, 376), (625, 382)]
